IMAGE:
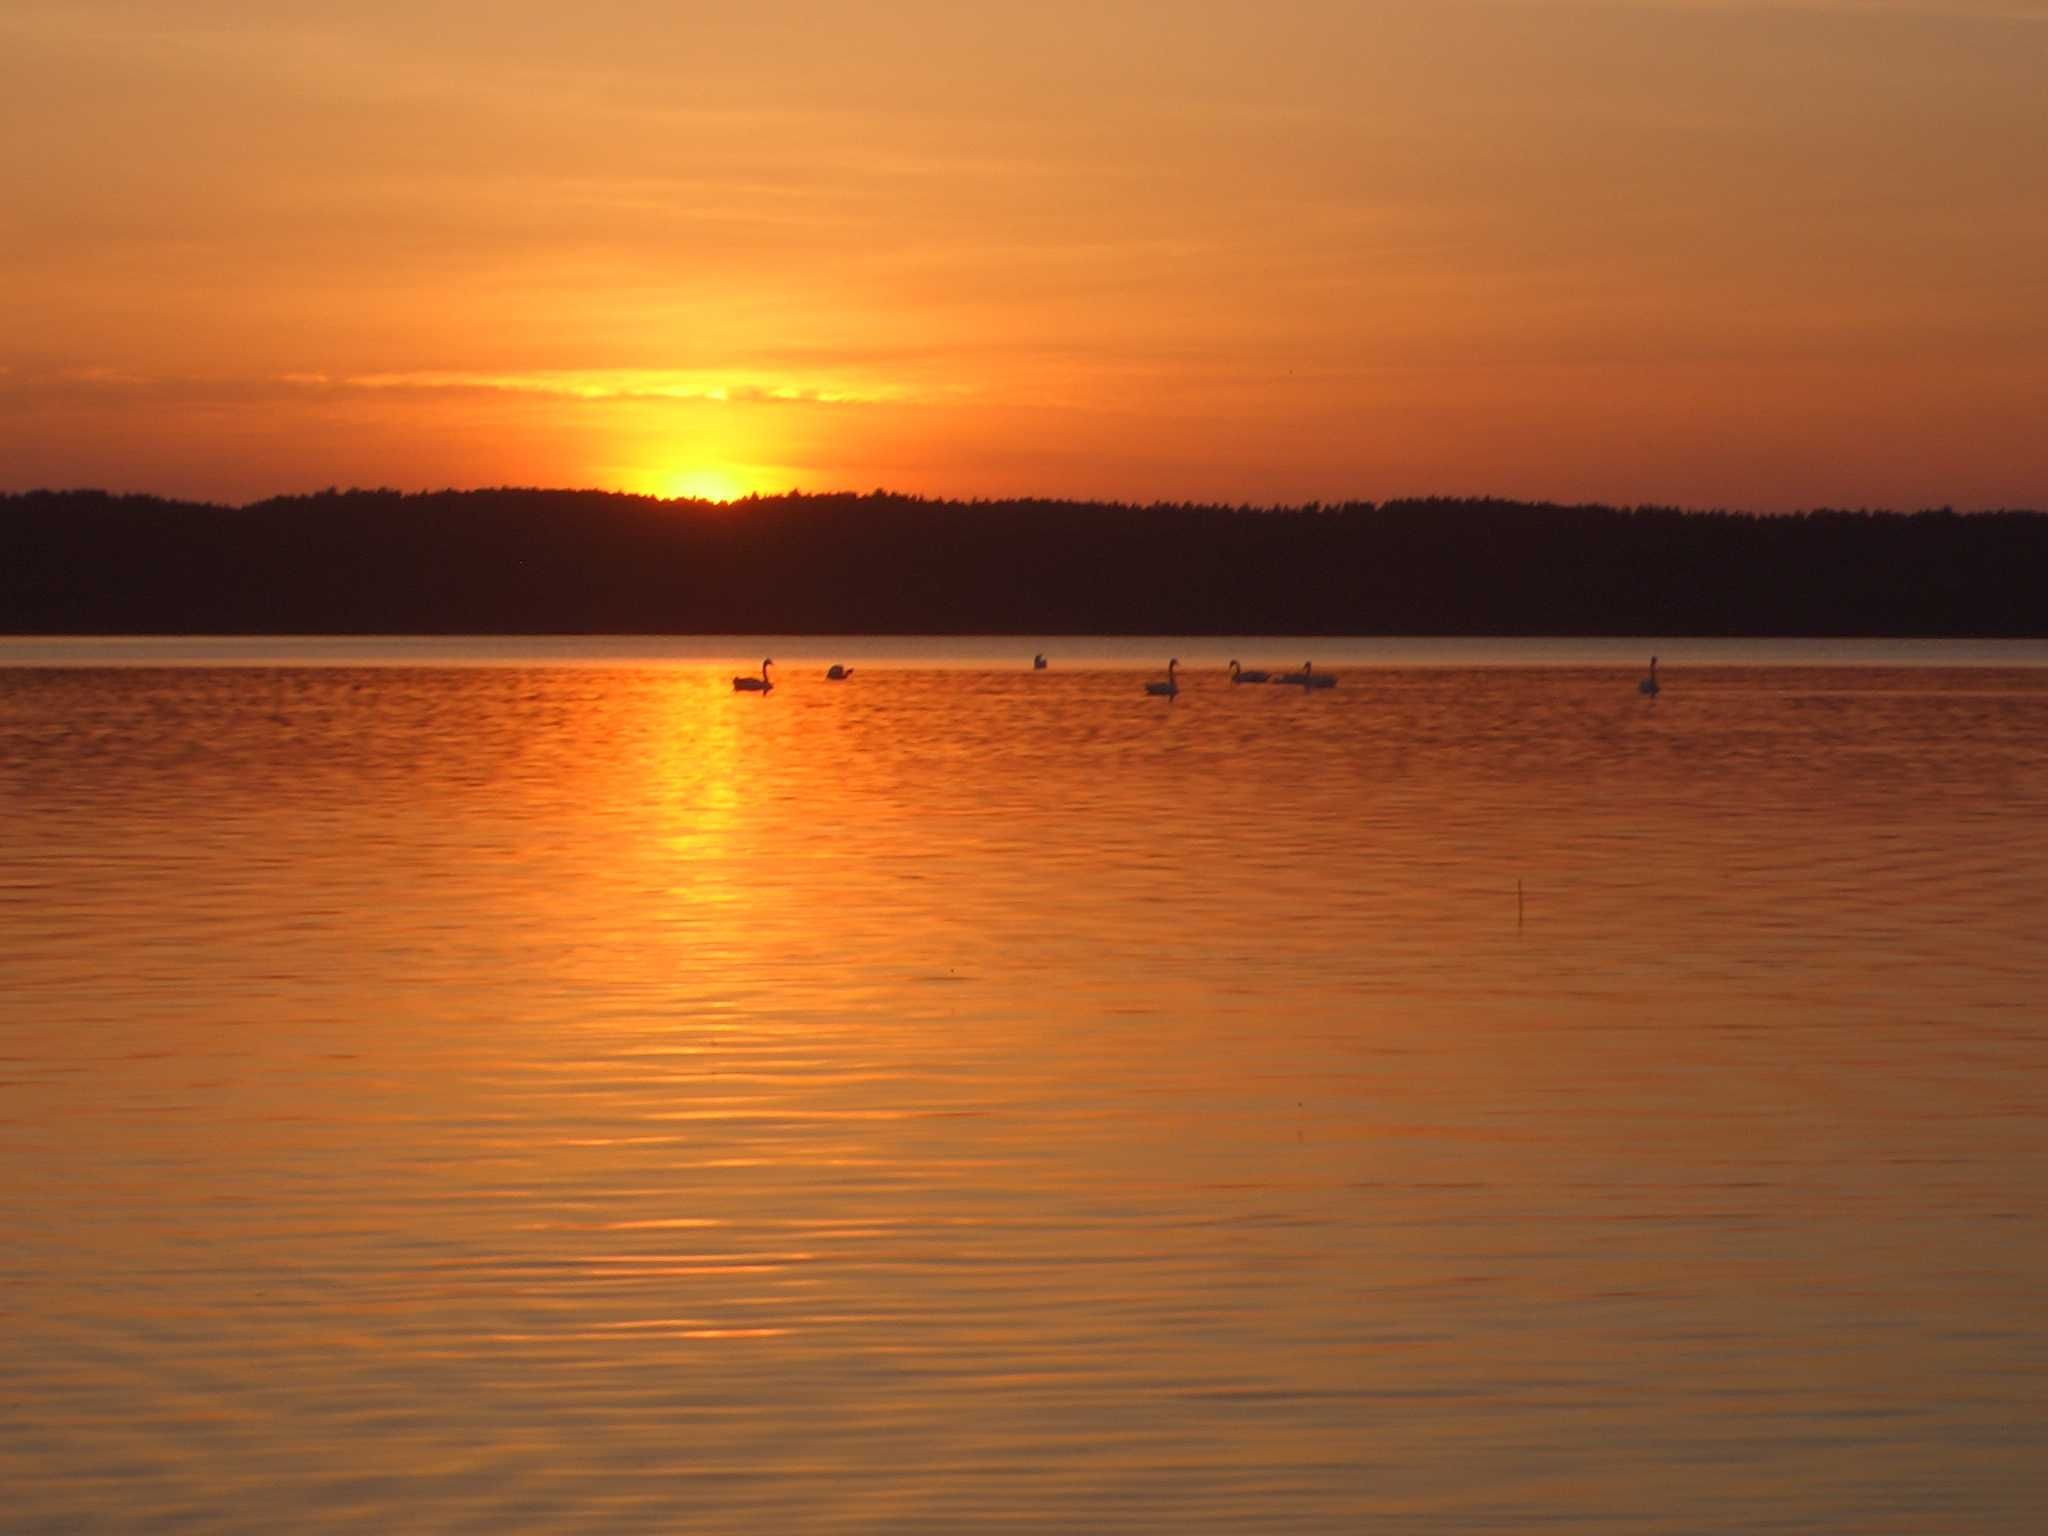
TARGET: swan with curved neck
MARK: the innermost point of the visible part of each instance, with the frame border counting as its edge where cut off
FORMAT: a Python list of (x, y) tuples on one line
[(1307, 677), (1169, 688), (1239, 675), (760, 684), (1648, 686)]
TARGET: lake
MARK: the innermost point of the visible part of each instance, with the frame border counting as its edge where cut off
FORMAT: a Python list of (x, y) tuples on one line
[(477, 1085)]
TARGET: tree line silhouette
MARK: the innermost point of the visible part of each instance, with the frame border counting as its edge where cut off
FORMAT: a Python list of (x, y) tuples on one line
[(565, 562)]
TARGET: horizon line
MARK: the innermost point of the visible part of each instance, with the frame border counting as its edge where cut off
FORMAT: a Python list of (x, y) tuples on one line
[(883, 493)]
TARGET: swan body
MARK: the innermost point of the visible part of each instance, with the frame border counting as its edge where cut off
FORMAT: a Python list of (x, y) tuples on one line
[(1038, 662), (1307, 677), (1169, 688), (837, 674), (1239, 675), (759, 684), (1648, 686)]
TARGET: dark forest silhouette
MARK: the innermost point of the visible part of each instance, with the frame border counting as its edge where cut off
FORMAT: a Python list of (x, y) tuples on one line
[(529, 561)]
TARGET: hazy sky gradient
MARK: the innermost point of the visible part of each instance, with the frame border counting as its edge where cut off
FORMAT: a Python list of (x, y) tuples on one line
[(1673, 250)]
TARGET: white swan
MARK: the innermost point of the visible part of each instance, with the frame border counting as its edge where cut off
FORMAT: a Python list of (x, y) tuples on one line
[(1648, 686), (1307, 677), (1169, 688), (1239, 675), (759, 684), (837, 674)]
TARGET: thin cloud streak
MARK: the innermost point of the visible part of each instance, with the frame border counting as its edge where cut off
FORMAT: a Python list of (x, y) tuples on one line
[(632, 384)]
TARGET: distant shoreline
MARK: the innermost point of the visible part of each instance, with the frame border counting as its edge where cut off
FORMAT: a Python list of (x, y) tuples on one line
[(586, 563), (800, 656)]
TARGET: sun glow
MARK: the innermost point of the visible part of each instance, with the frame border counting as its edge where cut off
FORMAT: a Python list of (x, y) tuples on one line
[(697, 483)]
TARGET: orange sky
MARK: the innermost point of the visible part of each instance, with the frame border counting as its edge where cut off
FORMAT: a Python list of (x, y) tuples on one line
[(1763, 254)]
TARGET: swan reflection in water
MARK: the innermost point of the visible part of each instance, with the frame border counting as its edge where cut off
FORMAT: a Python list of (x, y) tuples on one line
[(759, 684)]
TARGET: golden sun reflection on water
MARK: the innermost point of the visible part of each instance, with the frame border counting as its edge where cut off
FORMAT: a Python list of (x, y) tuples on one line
[(955, 1100), (702, 778)]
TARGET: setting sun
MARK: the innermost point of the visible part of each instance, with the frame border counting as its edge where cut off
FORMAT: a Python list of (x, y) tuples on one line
[(1042, 765), (1127, 251), (692, 483)]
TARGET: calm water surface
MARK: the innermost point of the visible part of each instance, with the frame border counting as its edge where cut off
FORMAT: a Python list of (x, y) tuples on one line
[(490, 1090)]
